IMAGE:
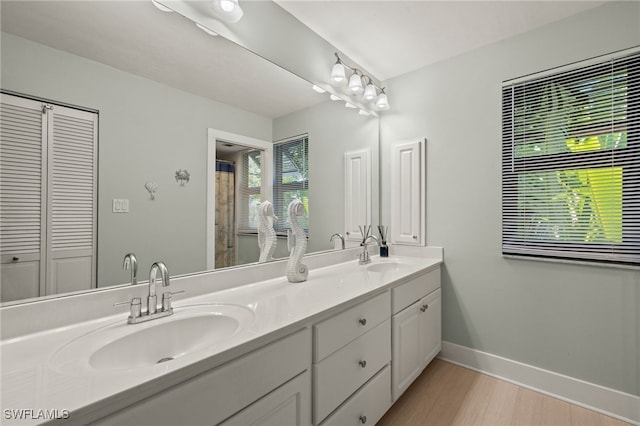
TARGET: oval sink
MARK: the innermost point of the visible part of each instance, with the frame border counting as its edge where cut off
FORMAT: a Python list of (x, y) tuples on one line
[(385, 267), (122, 346)]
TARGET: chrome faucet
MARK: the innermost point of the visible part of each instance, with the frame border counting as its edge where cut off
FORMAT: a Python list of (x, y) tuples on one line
[(339, 236), (152, 299), (136, 314), (364, 257), (131, 262)]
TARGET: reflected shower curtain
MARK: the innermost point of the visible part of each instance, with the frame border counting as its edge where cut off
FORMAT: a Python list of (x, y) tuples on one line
[(225, 215)]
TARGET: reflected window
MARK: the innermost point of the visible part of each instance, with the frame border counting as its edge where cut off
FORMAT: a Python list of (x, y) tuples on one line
[(249, 191), (291, 179)]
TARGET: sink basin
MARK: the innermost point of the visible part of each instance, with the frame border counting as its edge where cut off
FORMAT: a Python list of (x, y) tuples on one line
[(122, 346), (385, 267)]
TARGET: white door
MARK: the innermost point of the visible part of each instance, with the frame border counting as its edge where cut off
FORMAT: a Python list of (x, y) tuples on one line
[(72, 188), (430, 327), (47, 198), (357, 192), (407, 193), (22, 173), (406, 360)]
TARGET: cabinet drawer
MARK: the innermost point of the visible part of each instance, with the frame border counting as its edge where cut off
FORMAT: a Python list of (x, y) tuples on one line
[(223, 391), (335, 332), (366, 406), (340, 374), (406, 294)]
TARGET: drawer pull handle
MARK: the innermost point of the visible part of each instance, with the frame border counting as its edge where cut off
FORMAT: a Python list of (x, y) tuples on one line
[(363, 321), (362, 363), (15, 258), (363, 419), (424, 308)]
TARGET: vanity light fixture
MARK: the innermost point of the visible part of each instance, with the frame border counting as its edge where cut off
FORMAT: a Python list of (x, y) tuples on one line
[(161, 6), (361, 88), (227, 10), (382, 103), (338, 75)]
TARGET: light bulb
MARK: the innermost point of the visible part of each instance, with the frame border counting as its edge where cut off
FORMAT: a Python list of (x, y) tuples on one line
[(363, 112), (318, 89), (355, 84), (349, 105), (335, 98), (228, 5), (227, 10), (382, 103), (337, 73), (369, 92)]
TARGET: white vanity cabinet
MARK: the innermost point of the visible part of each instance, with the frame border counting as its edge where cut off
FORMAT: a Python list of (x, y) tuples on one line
[(352, 351), (269, 386), (416, 328)]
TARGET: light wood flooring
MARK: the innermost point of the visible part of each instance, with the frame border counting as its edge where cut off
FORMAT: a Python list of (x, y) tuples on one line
[(447, 394)]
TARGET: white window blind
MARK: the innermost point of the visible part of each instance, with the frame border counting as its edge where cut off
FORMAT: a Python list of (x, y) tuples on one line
[(291, 178), (249, 185), (571, 163)]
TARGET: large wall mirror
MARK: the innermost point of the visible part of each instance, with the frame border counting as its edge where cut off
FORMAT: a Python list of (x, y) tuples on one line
[(139, 93)]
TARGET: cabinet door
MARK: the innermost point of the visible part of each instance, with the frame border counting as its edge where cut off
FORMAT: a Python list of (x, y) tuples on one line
[(430, 327), (407, 189), (288, 405), (357, 192), (406, 362)]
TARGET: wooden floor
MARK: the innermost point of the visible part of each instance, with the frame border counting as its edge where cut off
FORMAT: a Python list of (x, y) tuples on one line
[(446, 394)]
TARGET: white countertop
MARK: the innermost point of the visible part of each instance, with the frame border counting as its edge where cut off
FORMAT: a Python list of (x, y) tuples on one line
[(30, 382)]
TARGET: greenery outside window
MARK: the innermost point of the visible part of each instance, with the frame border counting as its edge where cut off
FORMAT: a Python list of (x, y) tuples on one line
[(249, 188), (571, 163), (291, 179)]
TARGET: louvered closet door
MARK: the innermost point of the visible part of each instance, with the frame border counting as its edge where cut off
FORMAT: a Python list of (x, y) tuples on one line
[(22, 132), (71, 200)]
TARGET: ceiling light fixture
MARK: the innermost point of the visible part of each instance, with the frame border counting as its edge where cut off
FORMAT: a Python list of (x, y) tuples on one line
[(227, 10), (360, 88)]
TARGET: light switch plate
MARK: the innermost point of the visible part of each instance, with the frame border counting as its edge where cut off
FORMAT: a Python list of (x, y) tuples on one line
[(120, 205)]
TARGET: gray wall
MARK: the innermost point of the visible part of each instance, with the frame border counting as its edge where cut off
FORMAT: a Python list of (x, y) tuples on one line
[(147, 132), (582, 321), (333, 130)]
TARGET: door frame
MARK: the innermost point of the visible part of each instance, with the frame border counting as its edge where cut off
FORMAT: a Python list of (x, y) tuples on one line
[(266, 181)]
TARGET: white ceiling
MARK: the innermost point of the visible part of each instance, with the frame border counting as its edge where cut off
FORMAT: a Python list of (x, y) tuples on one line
[(390, 38), (134, 36)]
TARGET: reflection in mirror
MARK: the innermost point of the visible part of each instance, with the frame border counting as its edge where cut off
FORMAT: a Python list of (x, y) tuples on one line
[(155, 83)]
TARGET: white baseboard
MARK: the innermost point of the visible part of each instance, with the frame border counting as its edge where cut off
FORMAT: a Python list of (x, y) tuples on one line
[(598, 398)]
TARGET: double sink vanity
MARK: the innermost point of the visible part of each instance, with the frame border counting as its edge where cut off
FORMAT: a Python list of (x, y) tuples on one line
[(337, 349)]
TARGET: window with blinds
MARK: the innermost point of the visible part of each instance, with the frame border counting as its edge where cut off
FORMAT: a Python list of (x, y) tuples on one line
[(571, 163), (291, 179), (249, 186)]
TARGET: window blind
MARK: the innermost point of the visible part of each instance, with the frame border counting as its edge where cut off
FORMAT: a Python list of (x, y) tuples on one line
[(571, 163), (291, 179)]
